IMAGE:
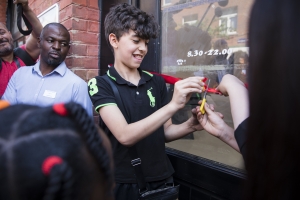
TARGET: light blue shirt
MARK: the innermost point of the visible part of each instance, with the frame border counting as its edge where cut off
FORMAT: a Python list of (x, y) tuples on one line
[(29, 86)]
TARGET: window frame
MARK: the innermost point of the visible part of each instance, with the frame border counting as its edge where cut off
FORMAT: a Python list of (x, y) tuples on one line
[(167, 4), (190, 22), (228, 24)]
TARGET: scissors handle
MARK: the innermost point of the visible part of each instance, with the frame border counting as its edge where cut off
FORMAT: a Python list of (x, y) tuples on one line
[(202, 110)]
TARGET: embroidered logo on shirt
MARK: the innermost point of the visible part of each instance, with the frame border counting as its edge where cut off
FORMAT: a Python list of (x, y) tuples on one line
[(50, 94), (151, 97)]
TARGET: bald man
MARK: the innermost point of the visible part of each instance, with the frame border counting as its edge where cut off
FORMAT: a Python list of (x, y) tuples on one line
[(49, 81)]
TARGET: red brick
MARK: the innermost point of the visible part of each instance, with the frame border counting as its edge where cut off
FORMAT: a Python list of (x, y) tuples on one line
[(91, 73), (85, 62), (93, 4), (80, 12), (92, 63), (64, 3), (66, 13), (30, 2), (93, 14), (3, 6), (68, 61), (79, 24), (92, 50), (48, 3), (42, 6), (84, 37), (81, 73), (55, 1), (33, 7), (93, 26), (80, 2), (39, 8), (78, 50), (67, 23)]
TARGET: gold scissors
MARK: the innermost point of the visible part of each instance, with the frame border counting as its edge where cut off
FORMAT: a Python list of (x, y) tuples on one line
[(202, 110)]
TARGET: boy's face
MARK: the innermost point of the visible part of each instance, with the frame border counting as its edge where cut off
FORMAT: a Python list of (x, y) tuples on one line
[(130, 50)]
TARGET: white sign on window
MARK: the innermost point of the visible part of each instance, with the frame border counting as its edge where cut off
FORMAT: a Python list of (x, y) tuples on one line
[(50, 15)]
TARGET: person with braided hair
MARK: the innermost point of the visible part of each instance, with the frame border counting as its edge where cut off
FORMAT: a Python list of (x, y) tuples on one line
[(54, 152)]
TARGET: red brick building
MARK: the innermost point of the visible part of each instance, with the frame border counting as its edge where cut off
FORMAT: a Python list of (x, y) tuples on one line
[(3, 6)]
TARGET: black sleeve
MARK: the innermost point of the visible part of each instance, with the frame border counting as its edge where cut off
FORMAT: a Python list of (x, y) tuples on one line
[(240, 136), (100, 92), (24, 56)]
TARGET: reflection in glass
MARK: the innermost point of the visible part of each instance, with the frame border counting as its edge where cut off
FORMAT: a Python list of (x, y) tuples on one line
[(205, 38)]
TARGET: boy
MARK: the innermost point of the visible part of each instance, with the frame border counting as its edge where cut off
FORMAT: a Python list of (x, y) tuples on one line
[(147, 122)]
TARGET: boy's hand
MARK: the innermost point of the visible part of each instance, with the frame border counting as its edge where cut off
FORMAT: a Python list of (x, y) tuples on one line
[(183, 90), (211, 121)]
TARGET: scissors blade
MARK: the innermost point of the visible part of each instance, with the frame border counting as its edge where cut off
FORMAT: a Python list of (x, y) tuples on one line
[(204, 95)]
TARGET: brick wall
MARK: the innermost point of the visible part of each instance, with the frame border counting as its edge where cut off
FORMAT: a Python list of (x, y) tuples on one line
[(3, 6)]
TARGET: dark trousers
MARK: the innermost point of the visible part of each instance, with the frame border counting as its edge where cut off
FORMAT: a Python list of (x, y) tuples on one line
[(130, 191)]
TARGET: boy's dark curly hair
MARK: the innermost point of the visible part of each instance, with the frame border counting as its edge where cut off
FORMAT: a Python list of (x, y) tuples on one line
[(31, 134), (123, 17)]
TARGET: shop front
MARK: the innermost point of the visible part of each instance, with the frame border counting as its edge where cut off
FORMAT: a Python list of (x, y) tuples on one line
[(198, 38)]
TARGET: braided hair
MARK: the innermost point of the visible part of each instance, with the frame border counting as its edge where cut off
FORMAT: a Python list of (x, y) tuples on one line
[(53, 153)]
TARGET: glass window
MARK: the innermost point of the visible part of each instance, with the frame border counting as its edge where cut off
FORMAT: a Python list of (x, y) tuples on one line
[(167, 2), (205, 38), (228, 21), (190, 19)]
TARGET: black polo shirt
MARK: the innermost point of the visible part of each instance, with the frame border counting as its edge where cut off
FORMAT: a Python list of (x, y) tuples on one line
[(139, 102)]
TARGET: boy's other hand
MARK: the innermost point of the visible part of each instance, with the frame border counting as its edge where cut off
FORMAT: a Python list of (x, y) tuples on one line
[(183, 90)]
